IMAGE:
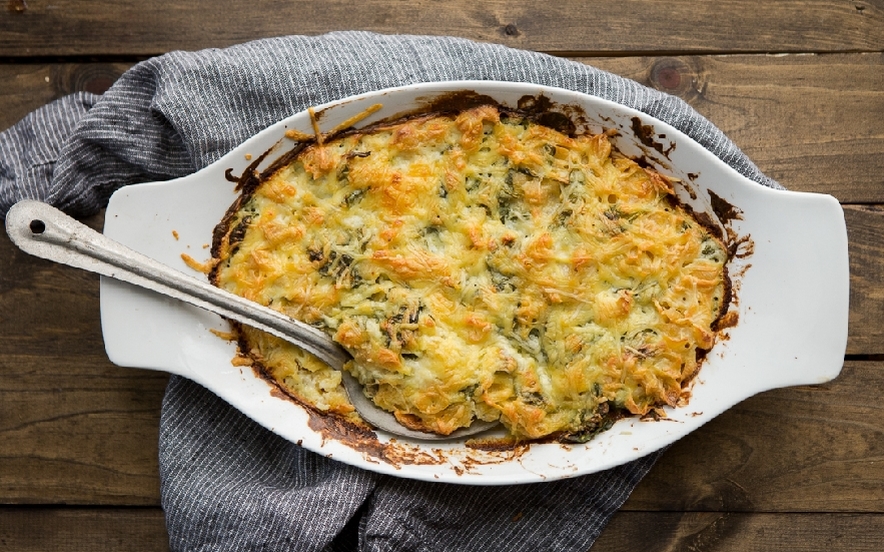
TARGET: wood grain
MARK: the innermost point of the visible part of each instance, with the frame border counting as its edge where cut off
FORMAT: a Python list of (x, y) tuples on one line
[(25, 87), (815, 123), (75, 428), (87, 436), (865, 235), (738, 532), (132, 27), (832, 141), (83, 530), (143, 530)]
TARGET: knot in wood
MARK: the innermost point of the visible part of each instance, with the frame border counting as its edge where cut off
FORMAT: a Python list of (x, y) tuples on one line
[(674, 76), (511, 30)]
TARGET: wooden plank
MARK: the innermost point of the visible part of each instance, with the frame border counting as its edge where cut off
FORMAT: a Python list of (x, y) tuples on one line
[(143, 530), (811, 122), (735, 532), (829, 141), (83, 529), (25, 87), (809, 448), (865, 233), (75, 428), (87, 436), (132, 27)]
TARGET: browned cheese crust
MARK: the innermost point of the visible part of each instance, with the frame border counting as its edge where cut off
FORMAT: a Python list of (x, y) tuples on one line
[(478, 265)]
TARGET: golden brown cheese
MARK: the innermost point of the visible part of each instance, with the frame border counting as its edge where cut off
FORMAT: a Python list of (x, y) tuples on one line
[(479, 265)]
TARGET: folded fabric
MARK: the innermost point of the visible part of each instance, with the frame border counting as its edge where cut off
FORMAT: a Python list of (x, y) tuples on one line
[(228, 484)]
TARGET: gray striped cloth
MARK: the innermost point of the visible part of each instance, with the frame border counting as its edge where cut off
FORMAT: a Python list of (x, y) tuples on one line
[(227, 484)]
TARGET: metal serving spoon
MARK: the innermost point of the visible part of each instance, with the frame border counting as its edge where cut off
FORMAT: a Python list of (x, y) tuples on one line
[(46, 232)]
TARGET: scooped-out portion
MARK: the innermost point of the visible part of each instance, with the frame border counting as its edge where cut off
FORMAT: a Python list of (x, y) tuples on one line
[(478, 265)]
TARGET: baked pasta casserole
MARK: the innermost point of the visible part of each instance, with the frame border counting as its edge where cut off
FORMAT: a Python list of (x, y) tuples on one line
[(478, 265)]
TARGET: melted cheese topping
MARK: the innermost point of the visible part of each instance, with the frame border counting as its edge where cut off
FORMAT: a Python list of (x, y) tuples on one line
[(479, 266)]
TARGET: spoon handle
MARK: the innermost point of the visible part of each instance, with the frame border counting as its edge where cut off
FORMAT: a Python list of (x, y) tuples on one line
[(46, 232)]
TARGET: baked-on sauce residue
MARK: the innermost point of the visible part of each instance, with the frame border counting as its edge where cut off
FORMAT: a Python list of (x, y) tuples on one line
[(647, 135)]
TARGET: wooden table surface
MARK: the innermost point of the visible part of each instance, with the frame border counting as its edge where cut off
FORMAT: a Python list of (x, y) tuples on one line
[(798, 85)]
